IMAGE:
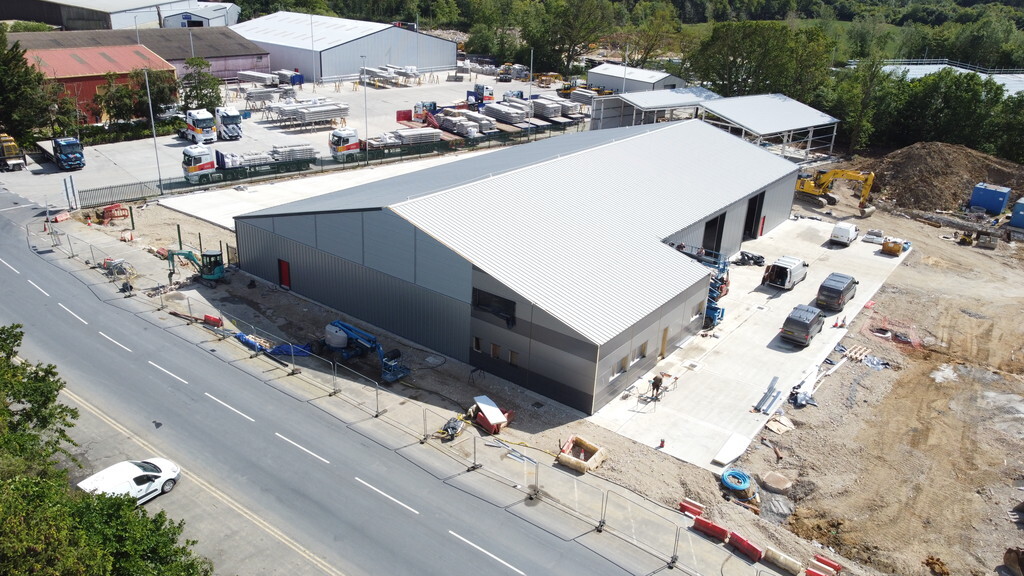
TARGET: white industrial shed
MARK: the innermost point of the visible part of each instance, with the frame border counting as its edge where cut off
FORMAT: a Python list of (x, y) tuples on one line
[(1012, 80), (618, 78), (789, 128), (322, 47), (571, 291), (206, 14), (634, 108)]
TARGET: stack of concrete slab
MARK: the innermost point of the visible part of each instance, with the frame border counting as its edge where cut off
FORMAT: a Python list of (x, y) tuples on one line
[(321, 112), (546, 108), (403, 71), (258, 78), (257, 95), (458, 125), (418, 135), (505, 113), (583, 96), (293, 152), (567, 106)]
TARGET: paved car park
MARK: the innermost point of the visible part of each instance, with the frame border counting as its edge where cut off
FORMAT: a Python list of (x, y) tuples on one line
[(722, 377)]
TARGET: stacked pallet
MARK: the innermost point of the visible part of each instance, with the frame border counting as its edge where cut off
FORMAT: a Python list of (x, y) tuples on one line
[(505, 113)]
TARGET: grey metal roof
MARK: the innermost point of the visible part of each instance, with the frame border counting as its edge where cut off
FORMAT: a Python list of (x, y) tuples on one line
[(630, 73), (575, 224), (168, 43), (768, 113), (662, 99), (294, 29), (580, 234)]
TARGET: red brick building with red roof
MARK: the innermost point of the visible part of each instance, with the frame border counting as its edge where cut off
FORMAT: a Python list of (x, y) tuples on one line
[(83, 70)]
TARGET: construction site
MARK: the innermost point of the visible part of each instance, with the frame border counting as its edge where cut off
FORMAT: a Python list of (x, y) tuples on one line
[(908, 463)]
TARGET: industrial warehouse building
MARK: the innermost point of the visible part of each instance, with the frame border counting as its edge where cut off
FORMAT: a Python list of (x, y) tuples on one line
[(321, 47), (571, 290), (117, 14), (226, 51), (619, 79)]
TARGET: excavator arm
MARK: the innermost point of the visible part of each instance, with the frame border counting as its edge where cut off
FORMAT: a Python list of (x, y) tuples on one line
[(818, 187)]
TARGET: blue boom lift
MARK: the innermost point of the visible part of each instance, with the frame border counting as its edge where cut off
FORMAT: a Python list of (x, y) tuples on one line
[(357, 342)]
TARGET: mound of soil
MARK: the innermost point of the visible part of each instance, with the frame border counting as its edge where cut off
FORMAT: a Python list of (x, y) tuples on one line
[(938, 176)]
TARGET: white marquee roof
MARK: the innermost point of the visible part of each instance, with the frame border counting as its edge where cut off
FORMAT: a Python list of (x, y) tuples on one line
[(768, 113), (294, 30)]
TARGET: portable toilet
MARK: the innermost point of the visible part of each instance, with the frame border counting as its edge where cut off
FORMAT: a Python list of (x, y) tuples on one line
[(1017, 218), (994, 199)]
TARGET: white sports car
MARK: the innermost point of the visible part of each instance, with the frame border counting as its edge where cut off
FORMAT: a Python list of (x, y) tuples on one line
[(141, 479)]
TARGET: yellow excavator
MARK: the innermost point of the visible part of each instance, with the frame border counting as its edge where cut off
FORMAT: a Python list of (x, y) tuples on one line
[(817, 188)]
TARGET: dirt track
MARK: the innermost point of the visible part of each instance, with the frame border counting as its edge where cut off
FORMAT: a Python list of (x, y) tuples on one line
[(893, 466)]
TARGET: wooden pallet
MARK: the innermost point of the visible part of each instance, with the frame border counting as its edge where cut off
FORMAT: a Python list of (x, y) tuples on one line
[(857, 353)]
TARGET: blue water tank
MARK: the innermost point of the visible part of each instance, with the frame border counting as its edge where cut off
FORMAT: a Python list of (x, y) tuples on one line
[(994, 199), (1017, 218)]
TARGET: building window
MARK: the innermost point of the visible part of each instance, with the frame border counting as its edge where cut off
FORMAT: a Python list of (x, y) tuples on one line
[(492, 303), (623, 364), (513, 357), (642, 351), (476, 344), (495, 351)]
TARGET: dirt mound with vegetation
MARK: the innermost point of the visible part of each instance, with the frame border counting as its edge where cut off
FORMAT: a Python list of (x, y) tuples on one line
[(937, 176)]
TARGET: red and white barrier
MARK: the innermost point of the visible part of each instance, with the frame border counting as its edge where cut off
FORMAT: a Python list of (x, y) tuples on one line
[(835, 566), (691, 508), (711, 529), (745, 547)]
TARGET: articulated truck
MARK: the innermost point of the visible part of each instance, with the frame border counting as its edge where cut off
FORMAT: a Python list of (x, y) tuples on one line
[(203, 166)]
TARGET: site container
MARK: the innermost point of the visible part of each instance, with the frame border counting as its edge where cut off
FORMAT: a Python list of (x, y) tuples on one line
[(994, 199)]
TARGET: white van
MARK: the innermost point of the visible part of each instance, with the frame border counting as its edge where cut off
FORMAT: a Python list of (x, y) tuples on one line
[(844, 233), (785, 273)]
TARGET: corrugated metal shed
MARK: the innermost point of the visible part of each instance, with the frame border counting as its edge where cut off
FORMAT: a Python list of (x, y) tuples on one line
[(767, 113), (630, 73), (111, 6), (293, 29), (168, 43), (97, 61), (662, 99), (589, 250)]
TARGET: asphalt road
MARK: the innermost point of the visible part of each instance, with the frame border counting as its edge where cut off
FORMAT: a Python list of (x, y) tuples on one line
[(343, 503)]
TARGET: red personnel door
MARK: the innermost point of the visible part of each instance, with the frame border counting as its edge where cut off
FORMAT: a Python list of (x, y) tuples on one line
[(284, 275)]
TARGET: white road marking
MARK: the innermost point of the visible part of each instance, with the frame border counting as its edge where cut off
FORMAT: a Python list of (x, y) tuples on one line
[(72, 313), (516, 570), (378, 491), (115, 342), (165, 371), (38, 288), (9, 266), (228, 407), (301, 448), (210, 489)]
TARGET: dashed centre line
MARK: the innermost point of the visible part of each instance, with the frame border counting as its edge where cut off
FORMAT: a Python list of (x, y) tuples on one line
[(393, 499), (324, 460), (115, 342), (169, 373), (72, 313), (224, 404)]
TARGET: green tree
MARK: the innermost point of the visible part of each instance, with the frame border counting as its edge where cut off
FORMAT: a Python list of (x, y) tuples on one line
[(741, 58), (574, 25), (115, 99), (867, 33), (163, 90), (653, 24), (444, 12), (23, 102), (34, 424), (198, 88), (953, 106), (1008, 129)]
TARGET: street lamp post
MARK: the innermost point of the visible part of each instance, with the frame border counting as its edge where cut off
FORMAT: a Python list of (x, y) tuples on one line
[(152, 125), (366, 114)]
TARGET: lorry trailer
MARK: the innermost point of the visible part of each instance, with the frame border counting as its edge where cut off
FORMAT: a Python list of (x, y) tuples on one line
[(202, 166)]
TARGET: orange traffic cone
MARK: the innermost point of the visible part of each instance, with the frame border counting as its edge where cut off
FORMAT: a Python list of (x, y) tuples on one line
[(843, 323), (45, 229), (88, 220), (835, 324), (662, 445)]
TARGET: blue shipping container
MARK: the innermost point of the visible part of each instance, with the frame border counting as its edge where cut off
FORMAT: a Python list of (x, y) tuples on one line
[(994, 199), (1017, 219)]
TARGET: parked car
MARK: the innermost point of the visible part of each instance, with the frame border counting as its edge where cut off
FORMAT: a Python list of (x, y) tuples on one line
[(140, 479), (802, 324), (836, 291), (504, 77)]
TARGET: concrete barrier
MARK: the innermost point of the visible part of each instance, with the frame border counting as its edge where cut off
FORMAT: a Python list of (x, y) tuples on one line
[(786, 563)]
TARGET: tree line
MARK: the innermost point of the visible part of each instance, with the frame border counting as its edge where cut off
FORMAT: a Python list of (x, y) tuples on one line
[(49, 527)]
